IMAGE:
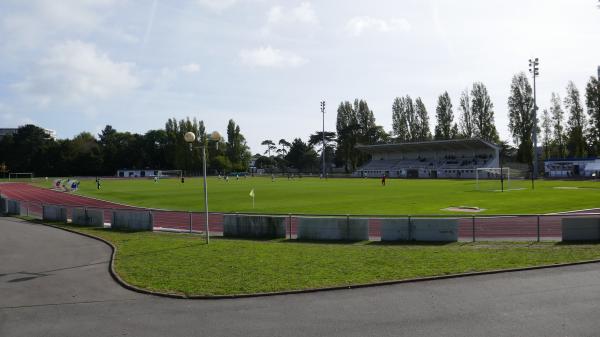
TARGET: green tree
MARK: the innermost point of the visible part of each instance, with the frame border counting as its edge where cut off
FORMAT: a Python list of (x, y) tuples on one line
[(520, 116), (400, 127), (422, 132), (483, 113), (270, 146), (557, 114), (237, 150), (347, 130), (283, 146), (547, 133), (592, 101), (576, 124), (445, 128), (302, 156), (466, 115)]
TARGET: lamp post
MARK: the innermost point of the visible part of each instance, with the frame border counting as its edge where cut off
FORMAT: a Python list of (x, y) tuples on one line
[(323, 134), (190, 137), (535, 71)]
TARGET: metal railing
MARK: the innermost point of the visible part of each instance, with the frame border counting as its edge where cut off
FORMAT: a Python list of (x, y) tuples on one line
[(512, 227)]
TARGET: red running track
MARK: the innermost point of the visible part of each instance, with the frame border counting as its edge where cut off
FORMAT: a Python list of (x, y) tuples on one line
[(520, 227)]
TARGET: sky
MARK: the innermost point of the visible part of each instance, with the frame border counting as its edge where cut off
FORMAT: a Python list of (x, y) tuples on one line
[(78, 65)]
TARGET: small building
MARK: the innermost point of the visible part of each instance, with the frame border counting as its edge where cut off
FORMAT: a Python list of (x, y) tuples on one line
[(572, 167), (148, 173)]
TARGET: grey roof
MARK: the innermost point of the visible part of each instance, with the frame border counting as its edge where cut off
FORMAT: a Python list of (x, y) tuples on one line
[(434, 145)]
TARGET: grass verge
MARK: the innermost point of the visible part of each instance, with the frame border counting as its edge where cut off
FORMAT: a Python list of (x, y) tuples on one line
[(183, 263)]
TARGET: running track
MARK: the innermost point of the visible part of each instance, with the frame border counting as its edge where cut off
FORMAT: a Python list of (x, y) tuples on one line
[(496, 227)]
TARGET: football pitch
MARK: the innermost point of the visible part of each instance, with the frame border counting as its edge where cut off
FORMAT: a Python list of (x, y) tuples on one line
[(348, 196)]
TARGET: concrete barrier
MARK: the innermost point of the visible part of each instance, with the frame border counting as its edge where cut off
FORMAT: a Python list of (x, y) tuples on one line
[(132, 220), (580, 229), (395, 229), (2, 206), (54, 213), (88, 217), (344, 229), (13, 207), (419, 229), (254, 226), (435, 230)]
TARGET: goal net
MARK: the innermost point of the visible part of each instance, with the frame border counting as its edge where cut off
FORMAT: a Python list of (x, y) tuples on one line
[(170, 174), (493, 178), (20, 176)]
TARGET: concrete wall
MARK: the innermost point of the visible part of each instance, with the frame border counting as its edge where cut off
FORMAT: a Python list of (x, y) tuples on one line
[(419, 229), (88, 217), (254, 226), (2, 206), (132, 220), (347, 229), (13, 207), (581, 229), (437, 230), (54, 213)]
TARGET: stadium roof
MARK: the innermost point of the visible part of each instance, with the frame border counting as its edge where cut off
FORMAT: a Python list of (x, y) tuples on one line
[(434, 145)]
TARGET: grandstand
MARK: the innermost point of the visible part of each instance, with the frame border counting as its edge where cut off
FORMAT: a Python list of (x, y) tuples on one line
[(458, 158)]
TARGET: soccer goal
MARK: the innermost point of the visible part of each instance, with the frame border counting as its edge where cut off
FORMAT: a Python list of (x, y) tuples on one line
[(170, 174), (20, 176), (492, 178)]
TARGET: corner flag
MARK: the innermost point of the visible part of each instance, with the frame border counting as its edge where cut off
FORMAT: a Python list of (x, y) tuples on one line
[(252, 196)]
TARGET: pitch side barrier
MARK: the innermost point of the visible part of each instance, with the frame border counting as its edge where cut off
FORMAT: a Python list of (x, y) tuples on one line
[(345, 227)]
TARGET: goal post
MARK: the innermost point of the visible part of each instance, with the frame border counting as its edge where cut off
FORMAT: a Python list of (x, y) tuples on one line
[(20, 176), (492, 178)]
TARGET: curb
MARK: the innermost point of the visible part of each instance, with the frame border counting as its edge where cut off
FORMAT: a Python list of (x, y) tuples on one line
[(126, 285)]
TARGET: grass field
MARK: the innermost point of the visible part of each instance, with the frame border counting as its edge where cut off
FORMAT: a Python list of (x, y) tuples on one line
[(347, 196), (183, 263)]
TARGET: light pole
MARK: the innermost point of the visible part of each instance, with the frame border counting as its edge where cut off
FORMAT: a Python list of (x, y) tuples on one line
[(190, 137), (323, 134), (535, 71)]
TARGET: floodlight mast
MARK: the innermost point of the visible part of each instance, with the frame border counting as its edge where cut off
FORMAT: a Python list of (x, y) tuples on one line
[(535, 71), (323, 135)]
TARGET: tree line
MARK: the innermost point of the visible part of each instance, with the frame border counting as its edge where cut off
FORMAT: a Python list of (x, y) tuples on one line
[(31, 149), (568, 128)]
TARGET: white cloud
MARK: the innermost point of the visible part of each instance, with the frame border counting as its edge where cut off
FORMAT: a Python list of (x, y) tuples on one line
[(303, 13), (271, 57), (190, 68), (216, 5), (74, 71), (362, 24), (37, 20)]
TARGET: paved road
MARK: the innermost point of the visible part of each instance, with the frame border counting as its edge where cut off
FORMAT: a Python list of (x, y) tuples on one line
[(54, 283)]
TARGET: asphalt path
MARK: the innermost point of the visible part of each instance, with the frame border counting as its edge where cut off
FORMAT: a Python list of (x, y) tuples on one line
[(55, 283)]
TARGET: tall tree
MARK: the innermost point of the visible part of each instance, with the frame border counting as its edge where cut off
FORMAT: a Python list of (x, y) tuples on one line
[(284, 145), (444, 128), (270, 146), (347, 130), (423, 131), (466, 115), (520, 116), (400, 128), (547, 134), (576, 124), (557, 113), (483, 113), (592, 101), (237, 150), (302, 156)]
